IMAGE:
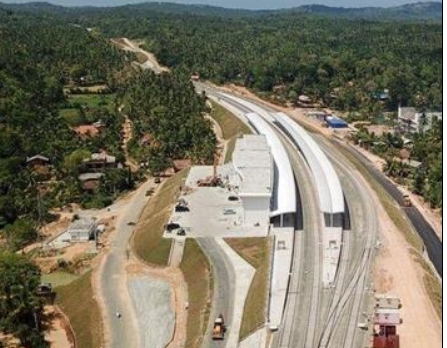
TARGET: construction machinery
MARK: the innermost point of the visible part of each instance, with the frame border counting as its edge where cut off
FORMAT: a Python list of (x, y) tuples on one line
[(219, 328)]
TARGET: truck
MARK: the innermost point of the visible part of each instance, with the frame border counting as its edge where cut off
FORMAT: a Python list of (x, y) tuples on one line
[(407, 200), (219, 328)]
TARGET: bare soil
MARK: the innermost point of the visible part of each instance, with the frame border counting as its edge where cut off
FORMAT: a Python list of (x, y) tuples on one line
[(395, 270), (59, 333), (432, 215)]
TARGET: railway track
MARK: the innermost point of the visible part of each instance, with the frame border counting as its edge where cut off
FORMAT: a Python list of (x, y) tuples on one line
[(315, 317), (303, 303), (347, 301)]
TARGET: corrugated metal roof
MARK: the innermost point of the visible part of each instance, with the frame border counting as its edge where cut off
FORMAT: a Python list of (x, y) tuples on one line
[(284, 190), (329, 188)]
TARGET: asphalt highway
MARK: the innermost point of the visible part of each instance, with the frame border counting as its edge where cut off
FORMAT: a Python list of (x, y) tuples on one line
[(223, 296), (123, 331), (432, 242)]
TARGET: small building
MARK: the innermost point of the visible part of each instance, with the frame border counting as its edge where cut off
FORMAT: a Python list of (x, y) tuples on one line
[(335, 122), (386, 319), (37, 161), (387, 301), (319, 115), (387, 316), (411, 121), (100, 161), (304, 99), (195, 77), (82, 230), (90, 181)]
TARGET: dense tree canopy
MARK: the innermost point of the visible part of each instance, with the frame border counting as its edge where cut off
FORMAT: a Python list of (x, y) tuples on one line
[(20, 308), (166, 110), (38, 57), (343, 63)]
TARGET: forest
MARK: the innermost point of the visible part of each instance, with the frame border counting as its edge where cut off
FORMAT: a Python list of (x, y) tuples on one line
[(62, 90), (183, 133), (65, 92), (361, 68)]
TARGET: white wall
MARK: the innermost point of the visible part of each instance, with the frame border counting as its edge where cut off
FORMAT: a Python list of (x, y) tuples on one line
[(256, 210)]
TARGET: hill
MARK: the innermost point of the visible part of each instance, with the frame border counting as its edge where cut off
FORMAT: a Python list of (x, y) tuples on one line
[(421, 11)]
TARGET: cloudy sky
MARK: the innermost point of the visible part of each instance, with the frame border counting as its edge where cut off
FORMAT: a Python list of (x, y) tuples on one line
[(249, 4)]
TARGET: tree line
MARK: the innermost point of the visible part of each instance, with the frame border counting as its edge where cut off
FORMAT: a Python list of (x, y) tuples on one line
[(43, 59)]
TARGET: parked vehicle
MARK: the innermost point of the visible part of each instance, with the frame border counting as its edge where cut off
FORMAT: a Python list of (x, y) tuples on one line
[(233, 198), (172, 226), (181, 209), (219, 328), (181, 232), (229, 211)]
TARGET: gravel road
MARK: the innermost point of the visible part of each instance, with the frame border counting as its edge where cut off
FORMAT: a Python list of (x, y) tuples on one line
[(152, 302)]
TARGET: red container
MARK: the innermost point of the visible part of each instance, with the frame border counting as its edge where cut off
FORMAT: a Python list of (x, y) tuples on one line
[(386, 342)]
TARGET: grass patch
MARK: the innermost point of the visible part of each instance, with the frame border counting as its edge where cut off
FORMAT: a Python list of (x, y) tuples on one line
[(196, 270), (78, 304), (93, 100), (387, 201), (72, 116), (231, 127), (148, 241), (434, 290), (230, 124), (59, 278), (432, 285), (256, 252)]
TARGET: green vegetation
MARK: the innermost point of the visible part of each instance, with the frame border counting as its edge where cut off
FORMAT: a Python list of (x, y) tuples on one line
[(77, 302), (33, 72), (426, 180), (342, 63), (387, 201), (256, 252), (196, 270), (229, 123), (93, 100), (432, 285), (20, 307), (231, 126), (148, 241), (167, 112), (59, 278)]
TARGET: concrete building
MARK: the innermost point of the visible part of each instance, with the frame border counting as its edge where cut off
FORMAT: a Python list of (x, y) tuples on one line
[(253, 178), (82, 230), (411, 121), (283, 203)]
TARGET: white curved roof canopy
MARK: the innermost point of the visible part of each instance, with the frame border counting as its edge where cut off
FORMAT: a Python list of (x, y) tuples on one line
[(284, 182), (330, 192), (249, 105)]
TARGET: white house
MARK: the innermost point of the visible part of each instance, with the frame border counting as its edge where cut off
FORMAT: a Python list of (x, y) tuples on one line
[(82, 230), (411, 121)]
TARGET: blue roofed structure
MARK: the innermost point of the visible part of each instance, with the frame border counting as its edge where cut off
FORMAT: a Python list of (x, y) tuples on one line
[(335, 122)]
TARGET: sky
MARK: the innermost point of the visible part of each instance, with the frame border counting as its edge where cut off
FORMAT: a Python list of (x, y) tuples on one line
[(246, 4)]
